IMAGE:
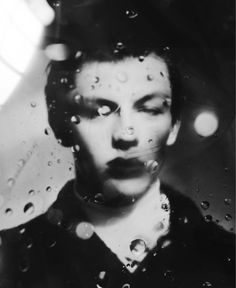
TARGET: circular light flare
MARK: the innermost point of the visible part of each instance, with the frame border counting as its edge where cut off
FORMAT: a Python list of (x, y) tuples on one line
[(206, 123)]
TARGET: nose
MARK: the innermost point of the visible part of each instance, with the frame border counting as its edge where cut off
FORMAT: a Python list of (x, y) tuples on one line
[(124, 135)]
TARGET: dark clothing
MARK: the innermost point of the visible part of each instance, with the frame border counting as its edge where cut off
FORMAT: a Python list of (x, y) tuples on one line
[(50, 254)]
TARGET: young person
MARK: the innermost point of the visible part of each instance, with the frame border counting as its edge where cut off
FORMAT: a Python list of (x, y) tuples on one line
[(115, 224)]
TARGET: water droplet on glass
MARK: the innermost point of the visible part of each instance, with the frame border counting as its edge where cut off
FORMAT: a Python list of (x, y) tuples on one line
[(75, 148), (150, 77), (56, 4), (29, 208), (120, 46), (48, 189), (206, 284), (102, 275), (169, 275), (96, 79), (33, 104), (130, 130), (228, 217), (28, 243), (8, 211), (150, 141), (122, 77), (104, 110), (131, 13), (227, 201), (31, 192), (75, 119), (161, 73), (165, 207), (84, 230), (24, 265), (126, 285), (77, 98), (21, 162), (59, 141), (64, 80), (99, 198), (165, 244), (22, 231), (205, 205), (141, 58), (49, 163), (208, 218), (78, 55), (10, 182), (167, 48), (137, 247), (47, 131), (152, 166)]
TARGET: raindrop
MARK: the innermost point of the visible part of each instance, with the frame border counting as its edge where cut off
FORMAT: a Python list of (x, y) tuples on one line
[(206, 284), (152, 166), (120, 46), (96, 80), (102, 275), (150, 141), (167, 48), (228, 217), (208, 218), (75, 148), (122, 77), (51, 243), (33, 104), (10, 182), (227, 201), (29, 208), (165, 244), (21, 162), (77, 98), (141, 58), (131, 13), (55, 216), (130, 130), (75, 119), (22, 231), (205, 205), (78, 55), (159, 226), (59, 141), (150, 77), (99, 198), (104, 110), (8, 211), (165, 207), (24, 265), (47, 131), (28, 243), (161, 73), (56, 4), (137, 247), (48, 189), (49, 163), (64, 80), (169, 275), (84, 230), (31, 192), (126, 285)]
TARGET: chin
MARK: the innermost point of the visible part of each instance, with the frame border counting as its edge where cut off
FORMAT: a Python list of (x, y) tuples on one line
[(128, 187)]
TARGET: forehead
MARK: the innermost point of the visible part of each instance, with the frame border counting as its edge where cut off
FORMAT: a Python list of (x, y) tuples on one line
[(126, 78)]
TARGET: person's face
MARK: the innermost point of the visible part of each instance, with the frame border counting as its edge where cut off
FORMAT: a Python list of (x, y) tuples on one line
[(125, 122)]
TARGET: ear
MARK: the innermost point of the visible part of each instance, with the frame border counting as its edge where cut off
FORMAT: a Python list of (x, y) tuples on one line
[(173, 133)]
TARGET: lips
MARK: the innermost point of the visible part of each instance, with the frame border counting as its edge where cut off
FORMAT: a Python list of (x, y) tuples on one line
[(121, 168)]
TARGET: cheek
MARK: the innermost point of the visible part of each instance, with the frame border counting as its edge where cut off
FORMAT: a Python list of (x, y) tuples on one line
[(155, 130)]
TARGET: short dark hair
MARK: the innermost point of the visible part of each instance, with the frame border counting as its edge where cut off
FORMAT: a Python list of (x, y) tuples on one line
[(125, 39)]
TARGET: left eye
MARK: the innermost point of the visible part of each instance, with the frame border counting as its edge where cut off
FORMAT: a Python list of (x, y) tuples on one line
[(104, 110)]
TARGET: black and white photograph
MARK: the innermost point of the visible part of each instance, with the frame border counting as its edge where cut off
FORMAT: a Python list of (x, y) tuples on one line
[(117, 146)]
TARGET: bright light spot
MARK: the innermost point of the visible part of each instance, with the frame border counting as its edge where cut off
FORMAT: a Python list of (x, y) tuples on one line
[(206, 124), (20, 32)]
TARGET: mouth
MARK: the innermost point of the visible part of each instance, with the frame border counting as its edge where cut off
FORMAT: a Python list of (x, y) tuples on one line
[(120, 168)]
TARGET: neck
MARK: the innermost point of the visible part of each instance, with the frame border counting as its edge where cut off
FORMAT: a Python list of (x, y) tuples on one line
[(99, 212)]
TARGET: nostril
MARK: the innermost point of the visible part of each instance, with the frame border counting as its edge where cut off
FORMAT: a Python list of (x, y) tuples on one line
[(122, 144)]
